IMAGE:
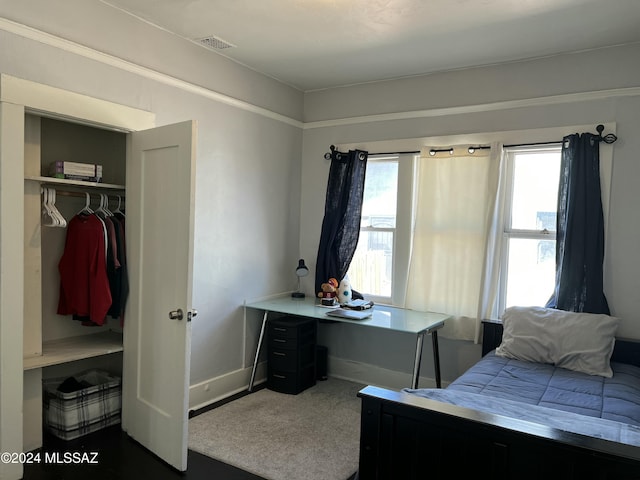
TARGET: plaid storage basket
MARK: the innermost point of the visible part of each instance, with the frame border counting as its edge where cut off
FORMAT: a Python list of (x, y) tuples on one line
[(72, 415)]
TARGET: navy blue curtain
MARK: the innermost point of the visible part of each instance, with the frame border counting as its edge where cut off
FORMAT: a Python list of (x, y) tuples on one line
[(342, 211), (580, 228)]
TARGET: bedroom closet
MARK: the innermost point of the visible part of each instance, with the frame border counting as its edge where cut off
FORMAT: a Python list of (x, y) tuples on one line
[(153, 171), (57, 345)]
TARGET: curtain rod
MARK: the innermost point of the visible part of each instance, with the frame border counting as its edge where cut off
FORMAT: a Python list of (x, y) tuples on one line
[(433, 151), (414, 152), (608, 139), (410, 152), (534, 144)]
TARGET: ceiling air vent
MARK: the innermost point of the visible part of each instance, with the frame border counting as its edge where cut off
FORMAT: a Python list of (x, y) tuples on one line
[(215, 43)]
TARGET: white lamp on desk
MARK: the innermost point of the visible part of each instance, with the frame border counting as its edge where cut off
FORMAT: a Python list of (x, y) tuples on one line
[(301, 271)]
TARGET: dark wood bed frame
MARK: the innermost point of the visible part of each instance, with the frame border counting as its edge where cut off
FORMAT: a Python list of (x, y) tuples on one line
[(408, 437)]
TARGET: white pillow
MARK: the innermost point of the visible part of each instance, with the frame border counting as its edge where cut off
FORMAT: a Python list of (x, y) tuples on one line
[(576, 341)]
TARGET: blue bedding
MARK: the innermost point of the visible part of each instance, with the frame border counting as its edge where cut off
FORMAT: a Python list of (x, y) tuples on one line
[(616, 398), (549, 417), (544, 394)]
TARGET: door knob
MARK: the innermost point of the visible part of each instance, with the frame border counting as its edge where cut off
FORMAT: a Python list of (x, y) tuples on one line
[(176, 314)]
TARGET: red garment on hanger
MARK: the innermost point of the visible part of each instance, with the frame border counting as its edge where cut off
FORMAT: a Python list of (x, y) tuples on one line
[(84, 286)]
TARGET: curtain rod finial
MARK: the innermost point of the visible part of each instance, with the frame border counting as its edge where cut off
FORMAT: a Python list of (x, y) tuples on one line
[(329, 156), (608, 138)]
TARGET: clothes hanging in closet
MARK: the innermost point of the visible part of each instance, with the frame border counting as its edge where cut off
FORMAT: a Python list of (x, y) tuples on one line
[(93, 270), (118, 278)]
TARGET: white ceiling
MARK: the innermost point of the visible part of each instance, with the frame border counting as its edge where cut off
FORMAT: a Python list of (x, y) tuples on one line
[(314, 44)]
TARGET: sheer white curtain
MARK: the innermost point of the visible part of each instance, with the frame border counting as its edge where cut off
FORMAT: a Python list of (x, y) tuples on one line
[(456, 238)]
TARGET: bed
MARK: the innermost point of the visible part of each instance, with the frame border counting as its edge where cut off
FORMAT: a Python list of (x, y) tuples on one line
[(555, 395)]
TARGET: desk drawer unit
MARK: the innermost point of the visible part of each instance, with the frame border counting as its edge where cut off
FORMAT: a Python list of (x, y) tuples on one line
[(291, 354)]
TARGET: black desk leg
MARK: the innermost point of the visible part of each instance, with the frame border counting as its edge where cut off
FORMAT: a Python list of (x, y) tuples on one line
[(255, 360), (436, 357), (417, 360)]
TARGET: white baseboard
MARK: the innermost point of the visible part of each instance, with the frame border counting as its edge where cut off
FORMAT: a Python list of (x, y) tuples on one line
[(215, 389), (373, 375)]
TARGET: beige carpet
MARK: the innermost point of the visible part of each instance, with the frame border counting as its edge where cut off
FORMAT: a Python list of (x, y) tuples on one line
[(314, 435)]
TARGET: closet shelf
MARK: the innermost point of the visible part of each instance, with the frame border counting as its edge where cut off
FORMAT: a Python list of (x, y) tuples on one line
[(55, 352), (74, 183)]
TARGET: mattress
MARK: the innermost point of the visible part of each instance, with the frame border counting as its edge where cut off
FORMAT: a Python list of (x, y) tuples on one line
[(616, 398)]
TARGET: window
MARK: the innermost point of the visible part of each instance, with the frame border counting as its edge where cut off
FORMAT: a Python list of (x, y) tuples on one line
[(528, 266), (522, 271), (371, 270)]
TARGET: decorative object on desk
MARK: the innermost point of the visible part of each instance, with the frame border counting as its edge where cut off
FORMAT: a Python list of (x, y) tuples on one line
[(328, 293), (350, 314), (344, 290), (301, 271), (359, 304)]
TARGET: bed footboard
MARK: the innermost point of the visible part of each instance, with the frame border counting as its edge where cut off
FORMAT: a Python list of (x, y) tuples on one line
[(408, 437)]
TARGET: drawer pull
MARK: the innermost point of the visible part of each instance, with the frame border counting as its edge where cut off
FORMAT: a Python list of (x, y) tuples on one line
[(280, 329), (279, 340), (280, 354), (278, 376)]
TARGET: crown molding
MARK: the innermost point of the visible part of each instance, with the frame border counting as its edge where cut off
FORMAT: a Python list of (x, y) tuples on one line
[(482, 107), (90, 53)]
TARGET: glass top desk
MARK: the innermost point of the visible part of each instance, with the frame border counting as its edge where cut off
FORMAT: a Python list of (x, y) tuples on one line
[(384, 317)]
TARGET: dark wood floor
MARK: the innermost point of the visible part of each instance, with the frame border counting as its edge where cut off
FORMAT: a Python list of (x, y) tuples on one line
[(121, 458)]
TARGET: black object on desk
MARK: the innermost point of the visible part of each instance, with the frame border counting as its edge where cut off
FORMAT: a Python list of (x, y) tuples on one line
[(291, 363)]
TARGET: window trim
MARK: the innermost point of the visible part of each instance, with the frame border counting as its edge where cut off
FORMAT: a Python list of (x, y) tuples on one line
[(407, 166)]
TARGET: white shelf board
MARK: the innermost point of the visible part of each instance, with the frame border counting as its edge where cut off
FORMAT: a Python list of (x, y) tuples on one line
[(55, 352), (74, 183)]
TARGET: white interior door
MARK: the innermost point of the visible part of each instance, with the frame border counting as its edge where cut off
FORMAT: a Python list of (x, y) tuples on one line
[(159, 225)]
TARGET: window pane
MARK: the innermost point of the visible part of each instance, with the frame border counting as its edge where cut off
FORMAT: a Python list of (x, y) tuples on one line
[(380, 194), (531, 271), (370, 269), (535, 190)]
